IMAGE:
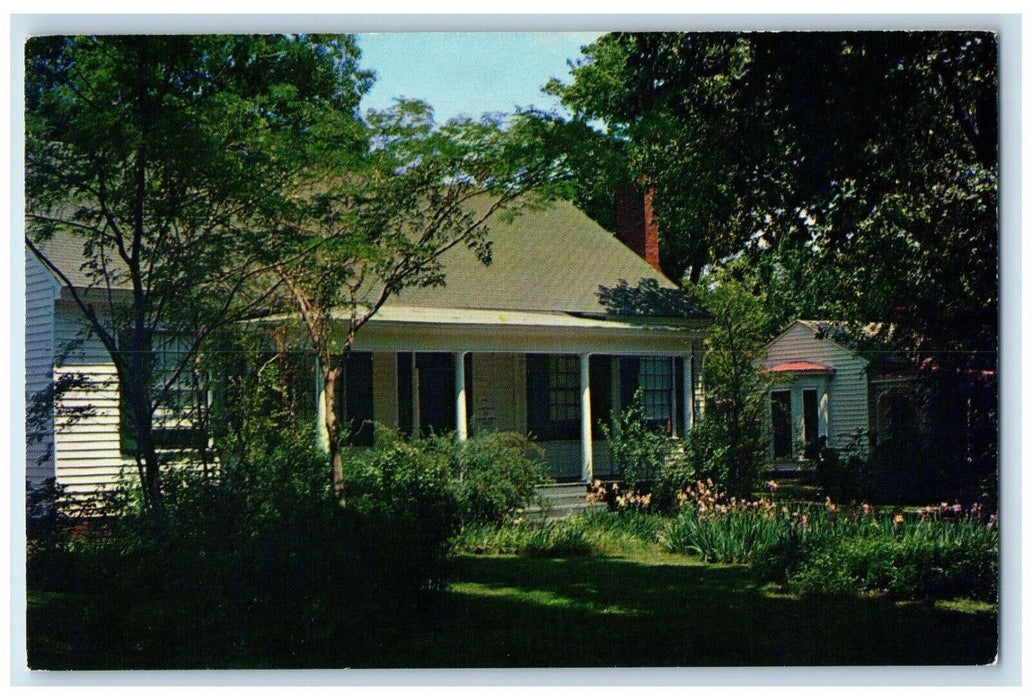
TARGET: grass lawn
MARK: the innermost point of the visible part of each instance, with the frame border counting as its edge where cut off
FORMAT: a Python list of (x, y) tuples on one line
[(645, 609)]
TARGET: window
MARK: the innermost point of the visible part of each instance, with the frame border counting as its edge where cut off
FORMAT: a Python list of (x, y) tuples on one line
[(563, 388), (654, 378), (656, 381), (553, 396), (426, 391), (180, 400), (781, 423), (894, 414)]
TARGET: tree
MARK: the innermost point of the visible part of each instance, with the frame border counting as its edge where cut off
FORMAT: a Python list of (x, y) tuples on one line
[(857, 171), (735, 347), (155, 155), (379, 220)]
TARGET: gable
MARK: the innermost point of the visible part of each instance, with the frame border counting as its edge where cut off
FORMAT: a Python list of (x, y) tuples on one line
[(798, 343)]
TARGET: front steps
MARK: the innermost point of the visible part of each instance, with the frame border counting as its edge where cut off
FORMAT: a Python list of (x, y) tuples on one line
[(561, 500)]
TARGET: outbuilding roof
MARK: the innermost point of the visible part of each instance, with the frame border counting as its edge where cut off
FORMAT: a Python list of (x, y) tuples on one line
[(800, 366)]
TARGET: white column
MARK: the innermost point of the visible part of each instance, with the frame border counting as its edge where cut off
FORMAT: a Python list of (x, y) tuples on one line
[(697, 354), (688, 402), (461, 431), (322, 435), (587, 469)]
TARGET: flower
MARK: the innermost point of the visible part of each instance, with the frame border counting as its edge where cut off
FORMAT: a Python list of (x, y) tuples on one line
[(897, 520)]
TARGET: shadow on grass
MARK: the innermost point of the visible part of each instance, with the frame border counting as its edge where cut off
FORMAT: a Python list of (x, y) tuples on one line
[(526, 612), (611, 612)]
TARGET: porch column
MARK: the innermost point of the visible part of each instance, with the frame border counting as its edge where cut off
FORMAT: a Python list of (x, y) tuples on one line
[(698, 372), (688, 402), (461, 431), (587, 470)]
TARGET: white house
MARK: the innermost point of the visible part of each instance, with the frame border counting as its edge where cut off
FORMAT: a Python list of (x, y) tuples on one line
[(823, 386), (523, 344)]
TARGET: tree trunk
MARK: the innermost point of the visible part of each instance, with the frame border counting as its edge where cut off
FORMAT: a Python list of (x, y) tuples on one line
[(138, 401), (333, 373)]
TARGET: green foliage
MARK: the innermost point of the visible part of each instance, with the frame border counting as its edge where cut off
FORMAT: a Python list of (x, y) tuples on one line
[(733, 539), (261, 556), (403, 495), (857, 170), (855, 174), (497, 476), (152, 163), (559, 538), (729, 445), (707, 452), (599, 532), (909, 560), (940, 552), (638, 452), (566, 537)]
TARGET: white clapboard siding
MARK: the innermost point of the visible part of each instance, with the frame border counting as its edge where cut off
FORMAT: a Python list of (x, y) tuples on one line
[(41, 290), (87, 451), (847, 391)]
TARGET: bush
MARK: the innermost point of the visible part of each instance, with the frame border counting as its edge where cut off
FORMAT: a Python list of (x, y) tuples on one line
[(906, 558), (638, 451), (403, 496), (262, 559), (942, 551), (710, 455), (497, 476)]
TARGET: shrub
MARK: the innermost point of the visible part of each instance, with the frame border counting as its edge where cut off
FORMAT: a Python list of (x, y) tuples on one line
[(263, 556), (403, 497), (638, 451), (847, 553), (567, 537), (941, 551), (711, 455), (497, 476)]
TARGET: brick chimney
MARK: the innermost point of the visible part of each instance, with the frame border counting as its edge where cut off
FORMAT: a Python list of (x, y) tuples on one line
[(636, 224)]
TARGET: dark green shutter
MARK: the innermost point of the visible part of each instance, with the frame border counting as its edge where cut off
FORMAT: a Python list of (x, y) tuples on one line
[(537, 396)]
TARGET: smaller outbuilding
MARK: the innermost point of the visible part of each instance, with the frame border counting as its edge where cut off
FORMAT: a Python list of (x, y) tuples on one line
[(831, 388)]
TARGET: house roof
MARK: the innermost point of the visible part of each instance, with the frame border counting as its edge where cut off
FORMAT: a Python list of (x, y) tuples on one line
[(554, 259)]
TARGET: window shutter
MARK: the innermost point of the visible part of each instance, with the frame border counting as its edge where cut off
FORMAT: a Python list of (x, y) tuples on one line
[(405, 392), (629, 367), (537, 396), (358, 401)]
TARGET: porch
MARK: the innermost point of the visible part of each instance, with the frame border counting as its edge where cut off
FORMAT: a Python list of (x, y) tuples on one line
[(556, 377)]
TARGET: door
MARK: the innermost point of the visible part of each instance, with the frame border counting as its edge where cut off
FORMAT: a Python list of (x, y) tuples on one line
[(781, 423)]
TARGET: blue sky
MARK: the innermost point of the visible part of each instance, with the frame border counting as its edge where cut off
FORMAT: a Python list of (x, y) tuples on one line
[(469, 73)]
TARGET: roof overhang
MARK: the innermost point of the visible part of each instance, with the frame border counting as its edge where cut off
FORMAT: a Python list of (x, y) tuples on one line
[(800, 367), (424, 329)]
